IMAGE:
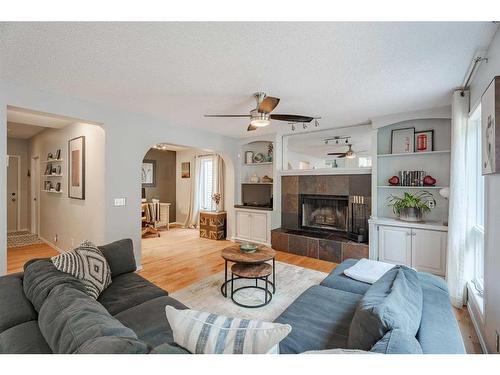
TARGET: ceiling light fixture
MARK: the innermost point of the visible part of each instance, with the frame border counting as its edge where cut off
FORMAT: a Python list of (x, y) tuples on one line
[(260, 120), (161, 146)]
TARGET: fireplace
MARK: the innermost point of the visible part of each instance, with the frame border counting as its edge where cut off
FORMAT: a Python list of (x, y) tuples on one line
[(324, 212), (341, 214)]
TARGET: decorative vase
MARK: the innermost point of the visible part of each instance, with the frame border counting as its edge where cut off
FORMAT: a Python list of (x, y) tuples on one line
[(254, 178), (394, 181), (411, 214), (429, 181)]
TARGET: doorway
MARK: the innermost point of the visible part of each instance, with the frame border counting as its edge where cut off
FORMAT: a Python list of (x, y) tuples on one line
[(13, 196)]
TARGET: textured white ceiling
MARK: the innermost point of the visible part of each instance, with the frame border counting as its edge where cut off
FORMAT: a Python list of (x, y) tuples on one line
[(344, 72)]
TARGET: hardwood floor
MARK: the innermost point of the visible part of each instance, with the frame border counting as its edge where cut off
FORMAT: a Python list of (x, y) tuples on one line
[(17, 256), (179, 258)]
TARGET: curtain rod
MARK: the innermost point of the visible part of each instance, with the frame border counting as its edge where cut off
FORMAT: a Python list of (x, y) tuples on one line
[(471, 72)]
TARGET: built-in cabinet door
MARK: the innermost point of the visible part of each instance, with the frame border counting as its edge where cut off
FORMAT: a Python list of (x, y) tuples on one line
[(243, 224), (258, 227), (394, 245), (429, 251)]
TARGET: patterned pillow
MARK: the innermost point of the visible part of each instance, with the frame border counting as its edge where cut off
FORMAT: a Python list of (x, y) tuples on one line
[(87, 264), (205, 333)]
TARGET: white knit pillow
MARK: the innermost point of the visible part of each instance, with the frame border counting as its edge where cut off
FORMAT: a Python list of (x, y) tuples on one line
[(206, 333), (88, 264)]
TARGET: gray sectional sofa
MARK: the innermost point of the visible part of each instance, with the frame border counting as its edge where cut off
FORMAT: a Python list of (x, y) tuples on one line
[(46, 311)]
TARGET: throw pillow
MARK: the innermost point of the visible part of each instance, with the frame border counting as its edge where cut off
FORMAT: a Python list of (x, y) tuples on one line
[(206, 333), (87, 264)]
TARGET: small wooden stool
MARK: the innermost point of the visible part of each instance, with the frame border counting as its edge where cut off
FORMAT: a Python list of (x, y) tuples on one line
[(260, 271)]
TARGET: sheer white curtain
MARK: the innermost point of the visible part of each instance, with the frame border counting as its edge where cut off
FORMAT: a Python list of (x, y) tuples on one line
[(457, 227), (194, 194)]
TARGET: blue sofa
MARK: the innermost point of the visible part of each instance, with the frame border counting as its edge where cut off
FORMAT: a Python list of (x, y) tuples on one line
[(331, 314)]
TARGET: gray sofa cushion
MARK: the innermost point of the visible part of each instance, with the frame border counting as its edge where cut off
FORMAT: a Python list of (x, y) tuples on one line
[(397, 341), (169, 349), (70, 318), (113, 345), (24, 338), (14, 306), (439, 332), (394, 301), (320, 319), (152, 327), (128, 290), (120, 256), (337, 280), (41, 276)]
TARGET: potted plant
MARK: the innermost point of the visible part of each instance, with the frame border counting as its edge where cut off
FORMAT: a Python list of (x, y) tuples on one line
[(412, 207)]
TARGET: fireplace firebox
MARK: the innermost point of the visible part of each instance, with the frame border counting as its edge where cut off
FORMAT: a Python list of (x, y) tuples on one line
[(342, 214)]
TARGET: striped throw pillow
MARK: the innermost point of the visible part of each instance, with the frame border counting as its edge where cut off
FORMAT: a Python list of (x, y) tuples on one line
[(206, 333)]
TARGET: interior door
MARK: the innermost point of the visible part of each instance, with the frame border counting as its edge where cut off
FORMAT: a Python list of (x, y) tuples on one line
[(35, 192), (12, 193), (395, 245)]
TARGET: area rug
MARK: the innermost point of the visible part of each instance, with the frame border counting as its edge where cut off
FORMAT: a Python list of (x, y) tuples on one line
[(22, 238), (291, 281)]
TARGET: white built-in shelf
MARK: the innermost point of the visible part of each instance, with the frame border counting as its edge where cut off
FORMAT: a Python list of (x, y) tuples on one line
[(414, 154), (263, 163), (52, 161), (53, 175), (426, 224), (256, 183), (410, 187), (53, 191)]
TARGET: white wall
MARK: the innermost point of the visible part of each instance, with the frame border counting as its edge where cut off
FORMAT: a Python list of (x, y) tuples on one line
[(128, 137), (72, 220), (20, 147), (486, 72)]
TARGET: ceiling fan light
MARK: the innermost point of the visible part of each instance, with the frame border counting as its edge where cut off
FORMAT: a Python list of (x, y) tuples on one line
[(260, 123), (350, 155)]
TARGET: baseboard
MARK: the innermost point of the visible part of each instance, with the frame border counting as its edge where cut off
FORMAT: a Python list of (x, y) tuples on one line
[(51, 244)]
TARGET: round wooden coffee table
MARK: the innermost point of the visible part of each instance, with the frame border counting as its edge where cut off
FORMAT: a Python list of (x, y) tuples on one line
[(235, 255), (253, 271)]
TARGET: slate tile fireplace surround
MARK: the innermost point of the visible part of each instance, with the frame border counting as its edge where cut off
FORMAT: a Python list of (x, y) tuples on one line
[(320, 214)]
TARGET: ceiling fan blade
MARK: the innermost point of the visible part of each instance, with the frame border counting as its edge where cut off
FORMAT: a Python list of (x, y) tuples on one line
[(268, 104), (342, 156), (292, 118), (251, 128), (336, 153), (227, 115)]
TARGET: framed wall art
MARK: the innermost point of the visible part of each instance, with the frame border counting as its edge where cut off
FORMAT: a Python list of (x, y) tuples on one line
[(186, 170), (424, 141), (76, 168), (403, 141), (148, 173), (490, 128)]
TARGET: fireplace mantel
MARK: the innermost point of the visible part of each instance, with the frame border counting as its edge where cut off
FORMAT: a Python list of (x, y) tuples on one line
[(325, 171)]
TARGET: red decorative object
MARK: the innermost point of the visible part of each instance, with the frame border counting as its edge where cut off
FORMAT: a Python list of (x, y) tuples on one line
[(429, 181), (394, 181), (422, 142)]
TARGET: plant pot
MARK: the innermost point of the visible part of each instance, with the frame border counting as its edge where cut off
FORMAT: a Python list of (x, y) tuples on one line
[(411, 214)]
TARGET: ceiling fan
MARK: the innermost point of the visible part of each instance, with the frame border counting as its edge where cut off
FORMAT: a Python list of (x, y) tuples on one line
[(349, 154), (261, 116)]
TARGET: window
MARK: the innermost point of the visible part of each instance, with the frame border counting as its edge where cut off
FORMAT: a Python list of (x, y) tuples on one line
[(206, 182), (364, 162), (475, 197)]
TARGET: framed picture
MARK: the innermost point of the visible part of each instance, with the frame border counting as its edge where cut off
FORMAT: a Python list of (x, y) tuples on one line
[(424, 141), (186, 170), (59, 170), (148, 173), (76, 168), (48, 169), (490, 128), (48, 185), (248, 157), (58, 186), (402, 141), (58, 154)]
